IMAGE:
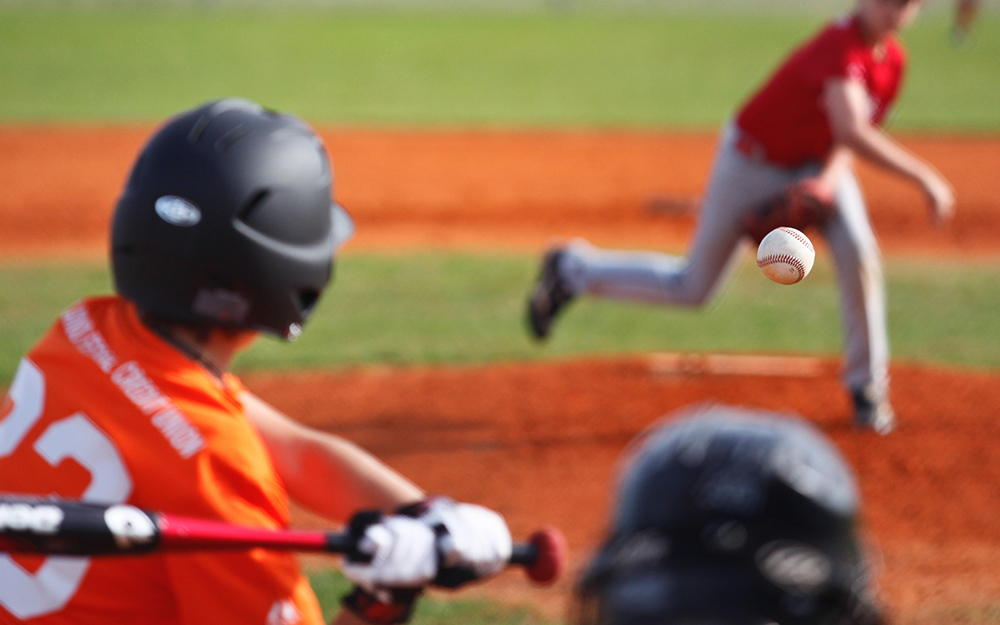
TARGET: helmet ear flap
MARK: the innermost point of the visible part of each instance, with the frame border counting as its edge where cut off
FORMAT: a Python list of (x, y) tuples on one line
[(306, 299)]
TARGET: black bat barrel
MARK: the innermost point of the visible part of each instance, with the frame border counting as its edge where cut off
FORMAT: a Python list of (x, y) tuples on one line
[(74, 528)]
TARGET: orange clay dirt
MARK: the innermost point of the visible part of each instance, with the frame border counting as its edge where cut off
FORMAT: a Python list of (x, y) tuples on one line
[(539, 441)]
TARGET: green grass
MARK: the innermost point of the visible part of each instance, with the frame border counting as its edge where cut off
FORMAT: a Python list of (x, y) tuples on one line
[(389, 67), (968, 614), (467, 308), (330, 586), (31, 296)]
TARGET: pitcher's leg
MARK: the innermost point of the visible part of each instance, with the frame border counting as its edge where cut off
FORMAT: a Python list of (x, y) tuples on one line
[(653, 276), (862, 298), (737, 185)]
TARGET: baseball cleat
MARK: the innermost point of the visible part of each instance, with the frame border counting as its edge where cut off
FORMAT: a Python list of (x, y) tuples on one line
[(873, 414), (549, 296)]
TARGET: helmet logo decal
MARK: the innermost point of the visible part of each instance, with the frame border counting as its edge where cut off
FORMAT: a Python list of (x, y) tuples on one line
[(794, 566), (177, 211)]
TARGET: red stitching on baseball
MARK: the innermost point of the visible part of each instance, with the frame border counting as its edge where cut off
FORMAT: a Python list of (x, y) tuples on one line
[(783, 258), (798, 236)]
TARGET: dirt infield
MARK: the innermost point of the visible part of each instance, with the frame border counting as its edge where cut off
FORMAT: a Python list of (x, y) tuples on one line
[(499, 190), (539, 441)]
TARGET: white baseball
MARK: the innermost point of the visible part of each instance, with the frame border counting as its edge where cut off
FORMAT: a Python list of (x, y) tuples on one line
[(786, 255)]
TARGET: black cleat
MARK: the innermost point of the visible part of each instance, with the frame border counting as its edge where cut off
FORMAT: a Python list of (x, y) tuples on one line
[(549, 296), (872, 413)]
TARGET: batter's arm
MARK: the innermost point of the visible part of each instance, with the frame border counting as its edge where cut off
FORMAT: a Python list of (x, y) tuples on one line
[(326, 473), (846, 103)]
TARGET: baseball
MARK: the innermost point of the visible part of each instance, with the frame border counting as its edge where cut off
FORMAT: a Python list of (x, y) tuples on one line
[(786, 255)]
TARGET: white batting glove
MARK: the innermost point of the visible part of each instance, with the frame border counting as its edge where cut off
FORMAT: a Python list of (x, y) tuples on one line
[(475, 537), (404, 555)]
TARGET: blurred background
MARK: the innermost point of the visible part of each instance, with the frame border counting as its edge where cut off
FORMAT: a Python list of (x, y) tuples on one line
[(465, 137)]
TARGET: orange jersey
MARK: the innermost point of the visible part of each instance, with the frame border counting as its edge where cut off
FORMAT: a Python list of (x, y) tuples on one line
[(104, 410)]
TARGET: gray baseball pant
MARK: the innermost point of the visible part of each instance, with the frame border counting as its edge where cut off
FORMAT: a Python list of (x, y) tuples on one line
[(740, 184)]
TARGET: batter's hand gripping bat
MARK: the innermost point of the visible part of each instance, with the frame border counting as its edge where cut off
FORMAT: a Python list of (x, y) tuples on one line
[(85, 529)]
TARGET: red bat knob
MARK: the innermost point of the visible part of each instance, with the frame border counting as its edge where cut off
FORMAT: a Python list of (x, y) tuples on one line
[(548, 554)]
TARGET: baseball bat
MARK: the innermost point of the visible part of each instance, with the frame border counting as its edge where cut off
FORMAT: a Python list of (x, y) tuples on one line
[(60, 527)]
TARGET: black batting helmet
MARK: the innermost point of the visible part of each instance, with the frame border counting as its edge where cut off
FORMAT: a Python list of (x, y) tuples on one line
[(227, 219), (731, 517)]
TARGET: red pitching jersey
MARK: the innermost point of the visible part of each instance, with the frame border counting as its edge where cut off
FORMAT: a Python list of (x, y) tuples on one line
[(103, 410), (787, 117)]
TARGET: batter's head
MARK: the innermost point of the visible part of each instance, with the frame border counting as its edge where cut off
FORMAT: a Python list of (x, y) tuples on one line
[(731, 517), (227, 219)]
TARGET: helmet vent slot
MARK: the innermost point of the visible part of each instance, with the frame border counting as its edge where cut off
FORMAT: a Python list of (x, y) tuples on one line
[(199, 127), (231, 137), (218, 108), (255, 201)]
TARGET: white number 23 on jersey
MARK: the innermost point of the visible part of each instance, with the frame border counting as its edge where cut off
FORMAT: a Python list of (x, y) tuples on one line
[(47, 590)]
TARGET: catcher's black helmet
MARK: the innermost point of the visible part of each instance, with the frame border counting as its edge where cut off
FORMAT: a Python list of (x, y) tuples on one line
[(227, 219), (731, 517)]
